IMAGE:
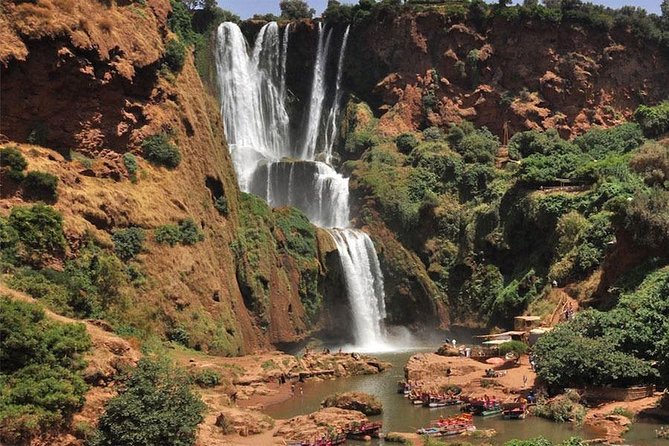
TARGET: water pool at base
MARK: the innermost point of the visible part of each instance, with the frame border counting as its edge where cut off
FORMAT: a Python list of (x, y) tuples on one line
[(400, 416)]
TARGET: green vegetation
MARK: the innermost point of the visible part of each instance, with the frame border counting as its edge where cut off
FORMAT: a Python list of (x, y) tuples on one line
[(131, 165), (186, 233), (128, 242), (38, 185), (561, 409), (206, 378), (517, 347), (160, 151), (540, 441), (296, 10), (32, 234), (13, 162), (154, 406), (40, 365), (653, 120), (175, 55)]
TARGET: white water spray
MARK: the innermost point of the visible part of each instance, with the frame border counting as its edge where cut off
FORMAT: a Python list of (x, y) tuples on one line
[(333, 117)]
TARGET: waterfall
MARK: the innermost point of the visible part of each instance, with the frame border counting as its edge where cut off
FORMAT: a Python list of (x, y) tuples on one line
[(252, 84), (364, 286), (318, 93), (252, 97), (331, 126)]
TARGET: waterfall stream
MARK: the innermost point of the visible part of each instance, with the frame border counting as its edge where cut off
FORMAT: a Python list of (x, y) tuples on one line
[(252, 85)]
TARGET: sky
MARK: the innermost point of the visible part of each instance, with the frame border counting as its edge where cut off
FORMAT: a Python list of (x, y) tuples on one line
[(246, 8)]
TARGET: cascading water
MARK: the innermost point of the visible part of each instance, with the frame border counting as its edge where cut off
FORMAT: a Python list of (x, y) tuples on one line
[(252, 83)]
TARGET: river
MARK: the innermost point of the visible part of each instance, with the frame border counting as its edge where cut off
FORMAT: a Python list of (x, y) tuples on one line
[(401, 416)]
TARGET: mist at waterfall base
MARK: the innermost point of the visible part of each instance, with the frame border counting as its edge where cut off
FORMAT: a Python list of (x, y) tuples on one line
[(295, 168)]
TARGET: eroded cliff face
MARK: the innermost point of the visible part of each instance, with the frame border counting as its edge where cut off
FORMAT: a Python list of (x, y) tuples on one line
[(426, 69), (83, 81)]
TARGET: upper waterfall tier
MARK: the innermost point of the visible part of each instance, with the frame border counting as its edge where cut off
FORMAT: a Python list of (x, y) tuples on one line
[(252, 89)]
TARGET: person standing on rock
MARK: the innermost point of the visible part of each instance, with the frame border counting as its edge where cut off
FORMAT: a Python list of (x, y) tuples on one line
[(454, 342)]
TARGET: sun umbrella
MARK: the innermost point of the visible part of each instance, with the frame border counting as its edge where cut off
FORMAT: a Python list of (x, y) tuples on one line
[(494, 361)]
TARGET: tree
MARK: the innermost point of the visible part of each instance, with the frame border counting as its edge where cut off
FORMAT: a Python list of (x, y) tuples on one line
[(155, 406), (296, 10), (664, 7)]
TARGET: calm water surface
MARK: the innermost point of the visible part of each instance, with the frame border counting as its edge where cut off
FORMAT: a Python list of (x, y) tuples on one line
[(400, 416)]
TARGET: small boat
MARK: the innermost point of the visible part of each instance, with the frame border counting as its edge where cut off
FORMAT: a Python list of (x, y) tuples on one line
[(417, 402), (442, 402), (445, 427), (483, 408)]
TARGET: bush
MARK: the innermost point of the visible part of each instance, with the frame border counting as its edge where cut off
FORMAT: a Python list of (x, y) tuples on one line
[(190, 234), (560, 409), (406, 142), (221, 205), (160, 151), (131, 166), (175, 55), (433, 134), (651, 162), (154, 406), (206, 378), (599, 142), (40, 362), (167, 235), (653, 120), (40, 232), (12, 160), (479, 146), (40, 185), (128, 242), (517, 347)]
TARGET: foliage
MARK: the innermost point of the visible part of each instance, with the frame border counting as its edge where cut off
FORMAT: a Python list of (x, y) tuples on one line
[(186, 233), (221, 205), (39, 232), (517, 347), (154, 406), (651, 162), (40, 362), (296, 10), (12, 159), (175, 55), (654, 120), (40, 185), (159, 150), (599, 142), (128, 242), (406, 142), (560, 409), (206, 378), (646, 217), (433, 134), (131, 165), (540, 441)]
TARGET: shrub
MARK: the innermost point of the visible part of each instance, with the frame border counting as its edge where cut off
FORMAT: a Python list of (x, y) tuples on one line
[(406, 142), (517, 347), (40, 185), (128, 242), (206, 378), (652, 163), (40, 362), (40, 231), (433, 134), (154, 406), (479, 146), (600, 142), (560, 409), (159, 150), (221, 205), (175, 55), (131, 166), (167, 235), (13, 161), (653, 120), (190, 234)]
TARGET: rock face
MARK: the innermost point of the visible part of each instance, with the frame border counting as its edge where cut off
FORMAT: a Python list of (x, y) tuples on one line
[(243, 422), (83, 78), (318, 424), (360, 401)]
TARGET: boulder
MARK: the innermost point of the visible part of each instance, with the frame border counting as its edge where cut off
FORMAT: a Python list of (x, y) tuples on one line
[(319, 424), (360, 401)]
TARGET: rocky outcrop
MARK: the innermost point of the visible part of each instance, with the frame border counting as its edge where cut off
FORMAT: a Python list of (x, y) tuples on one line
[(318, 424), (243, 422), (360, 401)]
